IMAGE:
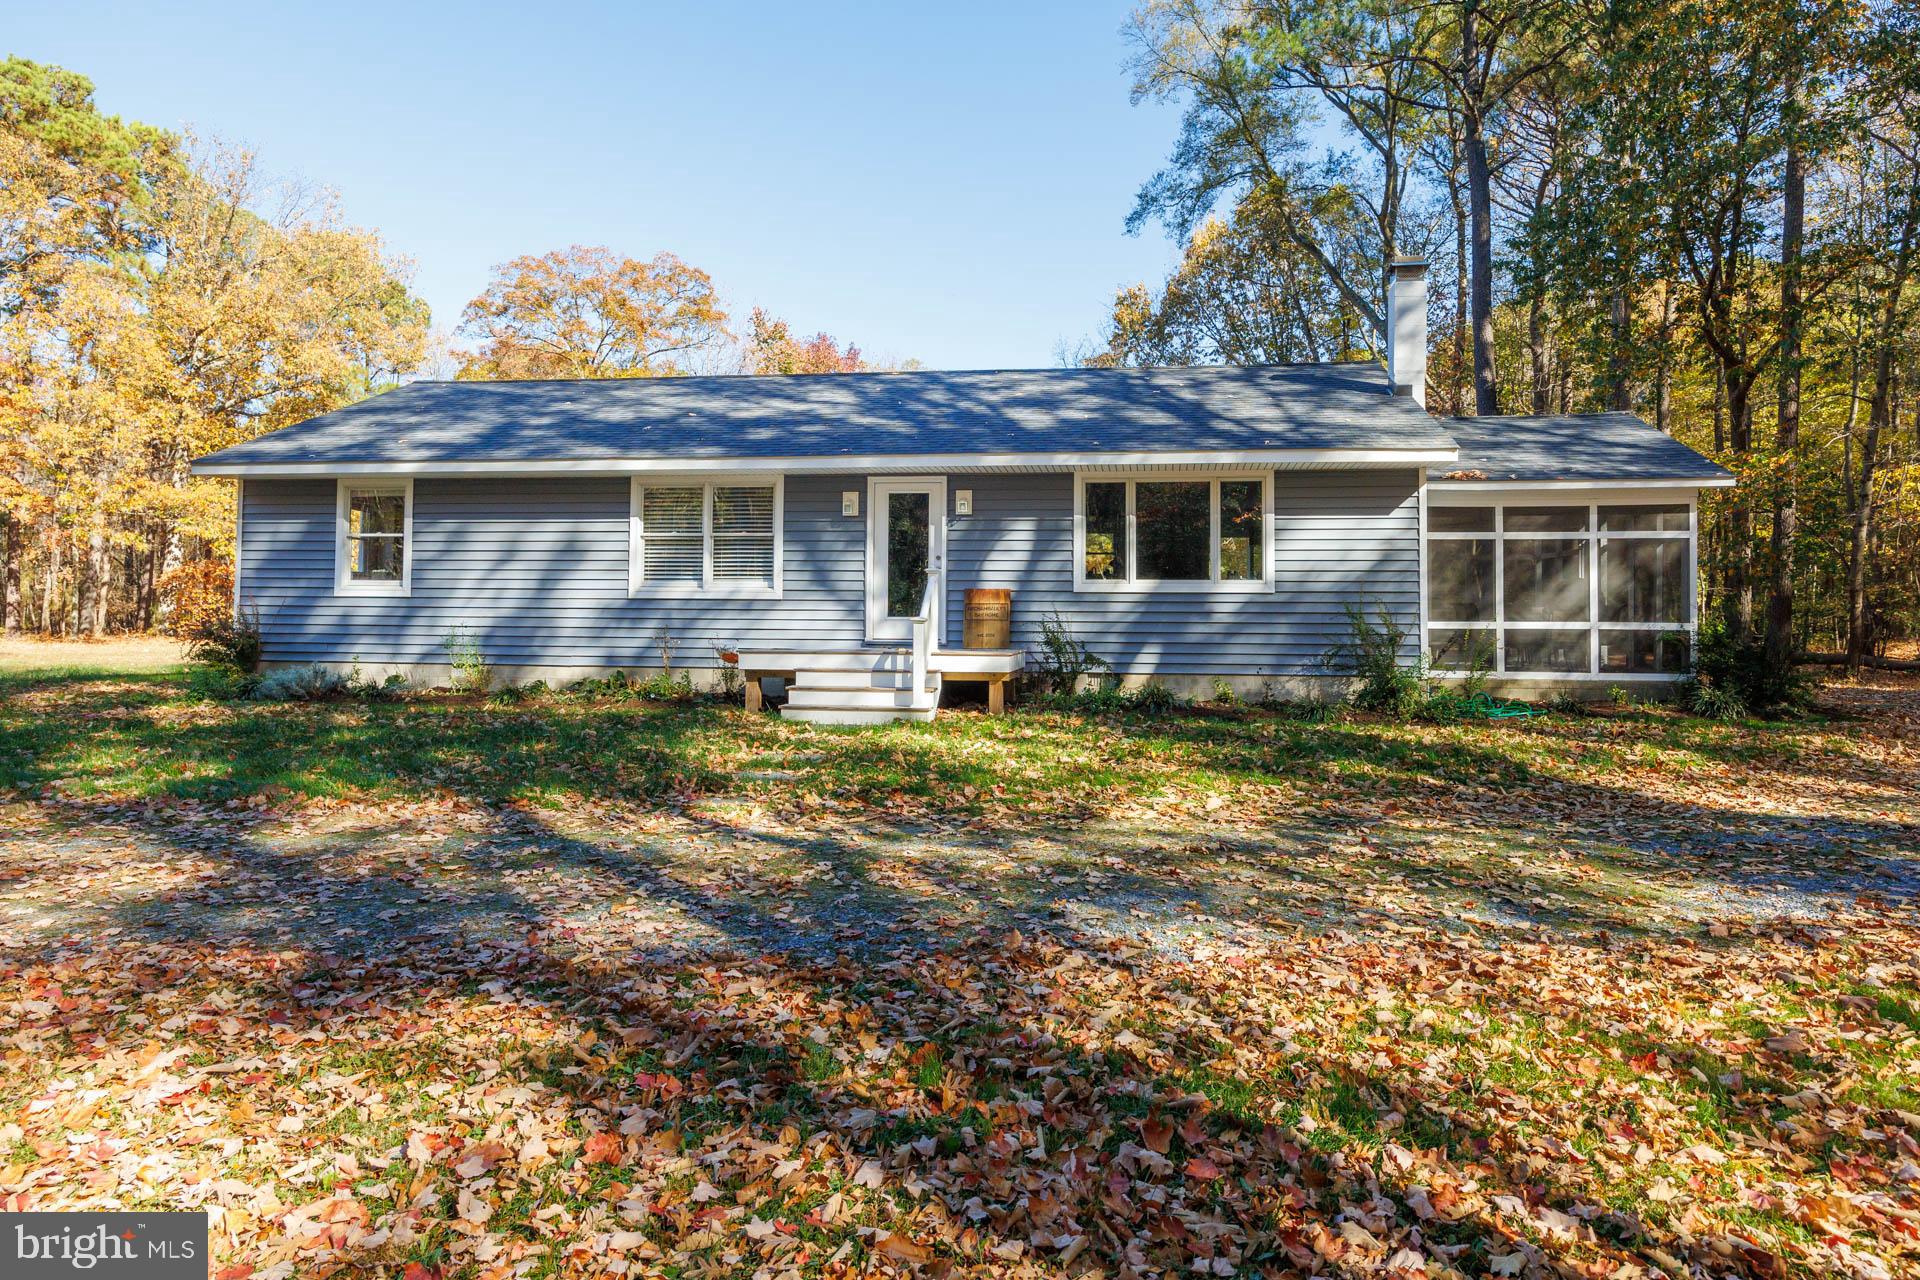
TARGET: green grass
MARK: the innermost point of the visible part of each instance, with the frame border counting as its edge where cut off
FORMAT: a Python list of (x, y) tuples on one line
[(180, 733)]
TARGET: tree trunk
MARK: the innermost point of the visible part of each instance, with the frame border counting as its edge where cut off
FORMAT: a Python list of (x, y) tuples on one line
[(1663, 370), (49, 622), (1879, 415), (1619, 367), (1537, 353), (1486, 388), (1739, 597), (10, 574), (100, 574), (1786, 493), (1859, 624), (1455, 399), (84, 586)]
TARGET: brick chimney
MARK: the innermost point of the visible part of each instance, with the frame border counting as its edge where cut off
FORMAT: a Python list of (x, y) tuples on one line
[(1407, 328)]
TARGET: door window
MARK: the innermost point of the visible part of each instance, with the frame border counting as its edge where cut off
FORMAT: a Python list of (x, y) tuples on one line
[(909, 529)]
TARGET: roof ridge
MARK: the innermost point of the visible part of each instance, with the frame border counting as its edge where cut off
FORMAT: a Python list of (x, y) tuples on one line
[(682, 379)]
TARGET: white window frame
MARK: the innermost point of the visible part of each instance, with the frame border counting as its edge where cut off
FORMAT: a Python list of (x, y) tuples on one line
[(1592, 537), (345, 585), (1213, 583), (708, 586)]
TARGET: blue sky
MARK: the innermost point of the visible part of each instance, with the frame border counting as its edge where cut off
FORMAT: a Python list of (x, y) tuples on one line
[(946, 182)]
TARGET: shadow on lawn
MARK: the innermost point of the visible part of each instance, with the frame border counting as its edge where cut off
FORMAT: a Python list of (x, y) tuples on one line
[(417, 935), (641, 752), (1003, 1043)]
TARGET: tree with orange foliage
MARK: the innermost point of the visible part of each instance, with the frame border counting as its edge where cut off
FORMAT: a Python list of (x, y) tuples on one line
[(587, 312), (772, 348)]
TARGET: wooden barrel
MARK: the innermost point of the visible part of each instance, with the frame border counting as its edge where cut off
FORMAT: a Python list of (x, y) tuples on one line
[(989, 618)]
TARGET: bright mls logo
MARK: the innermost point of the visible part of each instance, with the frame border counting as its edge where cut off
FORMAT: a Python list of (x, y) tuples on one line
[(136, 1246)]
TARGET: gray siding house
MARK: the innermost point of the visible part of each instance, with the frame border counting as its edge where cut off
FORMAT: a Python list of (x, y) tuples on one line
[(1186, 524)]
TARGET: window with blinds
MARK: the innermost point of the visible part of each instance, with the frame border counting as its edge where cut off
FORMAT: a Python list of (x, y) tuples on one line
[(672, 536), (743, 534), (713, 534)]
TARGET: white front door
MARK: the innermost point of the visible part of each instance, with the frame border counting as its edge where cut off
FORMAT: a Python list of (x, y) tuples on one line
[(906, 541)]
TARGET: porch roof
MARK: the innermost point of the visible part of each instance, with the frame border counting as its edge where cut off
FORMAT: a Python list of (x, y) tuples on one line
[(1591, 448)]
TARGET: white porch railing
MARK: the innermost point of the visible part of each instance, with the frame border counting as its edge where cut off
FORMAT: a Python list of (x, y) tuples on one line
[(923, 641)]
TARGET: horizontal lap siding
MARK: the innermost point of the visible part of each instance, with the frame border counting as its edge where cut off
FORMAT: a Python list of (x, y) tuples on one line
[(535, 570), (1339, 538)]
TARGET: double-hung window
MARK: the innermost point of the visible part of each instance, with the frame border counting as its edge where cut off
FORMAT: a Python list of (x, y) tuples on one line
[(373, 539), (1567, 589), (1170, 532), (706, 535)]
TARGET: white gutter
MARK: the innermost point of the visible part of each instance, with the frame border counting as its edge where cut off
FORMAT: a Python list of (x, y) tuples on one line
[(1497, 486)]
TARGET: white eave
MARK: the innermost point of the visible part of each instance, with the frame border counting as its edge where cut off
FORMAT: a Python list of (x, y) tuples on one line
[(1501, 486), (1282, 459)]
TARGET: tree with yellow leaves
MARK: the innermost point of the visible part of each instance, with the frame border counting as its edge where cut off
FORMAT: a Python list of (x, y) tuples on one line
[(158, 300), (587, 312)]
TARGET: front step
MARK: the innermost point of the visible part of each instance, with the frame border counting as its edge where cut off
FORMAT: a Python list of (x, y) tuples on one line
[(856, 715), (801, 695), (877, 688), (876, 679)]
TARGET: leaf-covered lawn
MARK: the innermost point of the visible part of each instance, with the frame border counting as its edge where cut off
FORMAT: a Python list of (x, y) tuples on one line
[(569, 988)]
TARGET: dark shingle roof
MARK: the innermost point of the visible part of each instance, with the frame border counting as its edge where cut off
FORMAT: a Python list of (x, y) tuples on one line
[(1595, 446), (1030, 411), (1324, 406)]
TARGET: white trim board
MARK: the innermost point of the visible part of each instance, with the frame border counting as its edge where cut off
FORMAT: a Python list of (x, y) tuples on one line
[(1212, 584), (880, 628), (1576, 486), (1593, 539), (708, 586), (812, 463), (343, 585), (239, 538)]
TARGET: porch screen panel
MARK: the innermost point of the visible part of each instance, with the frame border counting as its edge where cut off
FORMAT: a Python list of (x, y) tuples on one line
[(1460, 576), (1570, 589), (1546, 580), (1643, 579)]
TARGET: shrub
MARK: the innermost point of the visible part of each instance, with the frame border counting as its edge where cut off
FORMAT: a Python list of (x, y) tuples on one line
[(1567, 703), (1308, 711), (1152, 699), (222, 640), (1223, 692), (392, 689), (1149, 699), (659, 687), (311, 683), (197, 596), (664, 686), (733, 685), (1371, 654), (471, 674), (1732, 678), (1062, 660)]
